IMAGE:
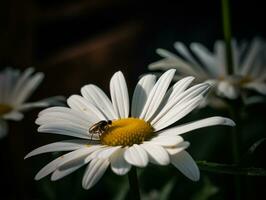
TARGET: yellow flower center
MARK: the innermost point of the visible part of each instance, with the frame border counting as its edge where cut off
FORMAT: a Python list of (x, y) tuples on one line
[(4, 108), (126, 132)]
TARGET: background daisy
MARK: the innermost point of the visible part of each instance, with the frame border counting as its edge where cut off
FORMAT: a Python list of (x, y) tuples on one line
[(135, 137), (15, 88), (248, 61)]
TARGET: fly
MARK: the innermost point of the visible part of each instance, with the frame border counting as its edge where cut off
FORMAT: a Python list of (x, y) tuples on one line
[(99, 127)]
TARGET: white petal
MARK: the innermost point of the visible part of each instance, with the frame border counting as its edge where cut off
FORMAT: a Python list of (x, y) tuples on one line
[(66, 112), (225, 89), (77, 157), (50, 167), (136, 155), (182, 49), (21, 82), (177, 113), (175, 91), (96, 151), (219, 50), (119, 95), (163, 64), (178, 148), (28, 88), (97, 97), (173, 61), (7, 80), (118, 163), (55, 164), (141, 94), (67, 145), (157, 154), (206, 57), (236, 57), (211, 121), (167, 141), (80, 104), (3, 128), (94, 172), (259, 87), (179, 87), (64, 117), (50, 101), (14, 115), (185, 163), (27, 106), (165, 53), (60, 173), (251, 55), (156, 95), (177, 100), (69, 129), (107, 153)]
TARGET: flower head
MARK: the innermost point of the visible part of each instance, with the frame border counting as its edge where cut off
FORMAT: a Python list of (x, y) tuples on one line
[(249, 66), (15, 89), (110, 133)]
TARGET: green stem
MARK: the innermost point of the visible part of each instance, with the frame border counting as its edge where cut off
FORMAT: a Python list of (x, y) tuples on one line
[(236, 147), (230, 169), (227, 35), (236, 134), (133, 183)]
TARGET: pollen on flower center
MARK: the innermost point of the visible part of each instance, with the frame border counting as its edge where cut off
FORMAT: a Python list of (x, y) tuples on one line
[(4, 108), (126, 132)]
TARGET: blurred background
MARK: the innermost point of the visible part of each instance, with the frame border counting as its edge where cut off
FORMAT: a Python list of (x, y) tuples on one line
[(82, 41)]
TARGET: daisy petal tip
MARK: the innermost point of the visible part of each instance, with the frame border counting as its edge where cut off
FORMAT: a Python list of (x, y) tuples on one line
[(195, 178), (159, 50), (87, 186), (177, 43), (121, 172), (229, 122), (191, 78), (119, 73), (41, 74), (38, 177), (172, 71), (54, 177), (27, 156), (193, 45), (39, 129), (37, 121)]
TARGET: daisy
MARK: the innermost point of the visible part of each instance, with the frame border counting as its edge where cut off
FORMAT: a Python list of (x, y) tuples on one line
[(15, 88), (112, 134), (248, 61)]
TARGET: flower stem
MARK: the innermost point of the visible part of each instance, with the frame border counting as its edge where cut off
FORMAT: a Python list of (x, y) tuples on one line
[(133, 183), (236, 148), (227, 35), (222, 168)]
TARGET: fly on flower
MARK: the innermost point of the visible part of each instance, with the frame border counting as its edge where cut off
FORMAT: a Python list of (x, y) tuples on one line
[(100, 127), (126, 136)]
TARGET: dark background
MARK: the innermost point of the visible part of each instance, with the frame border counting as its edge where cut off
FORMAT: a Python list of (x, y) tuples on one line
[(80, 42)]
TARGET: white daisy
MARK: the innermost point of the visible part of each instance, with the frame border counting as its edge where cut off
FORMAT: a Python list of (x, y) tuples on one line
[(249, 66), (15, 88), (131, 138)]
